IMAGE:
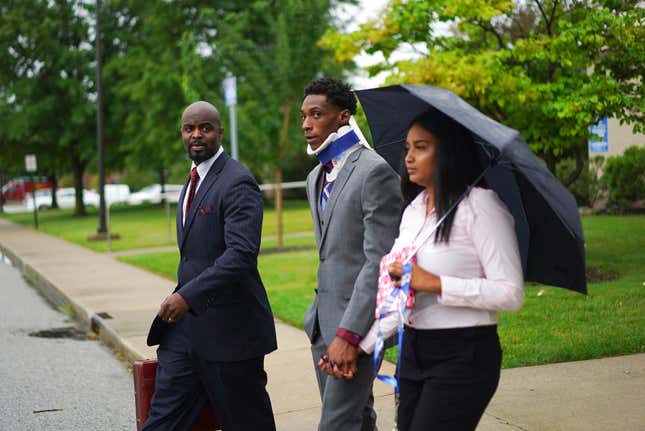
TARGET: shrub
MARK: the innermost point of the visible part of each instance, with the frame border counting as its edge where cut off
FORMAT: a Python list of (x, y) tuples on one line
[(624, 177)]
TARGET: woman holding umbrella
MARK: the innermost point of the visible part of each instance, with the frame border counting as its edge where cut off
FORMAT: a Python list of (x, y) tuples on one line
[(463, 273)]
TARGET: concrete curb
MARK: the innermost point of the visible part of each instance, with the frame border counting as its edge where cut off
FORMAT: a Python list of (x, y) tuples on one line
[(84, 315)]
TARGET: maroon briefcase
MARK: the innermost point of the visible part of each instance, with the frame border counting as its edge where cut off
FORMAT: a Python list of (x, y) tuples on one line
[(144, 386)]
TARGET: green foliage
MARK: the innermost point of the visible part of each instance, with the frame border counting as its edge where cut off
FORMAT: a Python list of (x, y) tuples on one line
[(549, 68), (624, 177), (271, 47), (46, 85)]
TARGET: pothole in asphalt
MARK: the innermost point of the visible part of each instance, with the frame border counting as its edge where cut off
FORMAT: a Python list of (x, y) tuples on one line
[(66, 332)]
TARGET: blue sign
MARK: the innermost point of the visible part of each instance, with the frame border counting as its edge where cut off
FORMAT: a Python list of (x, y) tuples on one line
[(230, 91), (599, 130)]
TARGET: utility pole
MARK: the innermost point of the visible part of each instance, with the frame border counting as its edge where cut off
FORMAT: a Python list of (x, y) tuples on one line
[(99, 123), (230, 96)]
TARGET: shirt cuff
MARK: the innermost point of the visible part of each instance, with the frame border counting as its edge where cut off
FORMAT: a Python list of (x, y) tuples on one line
[(348, 336)]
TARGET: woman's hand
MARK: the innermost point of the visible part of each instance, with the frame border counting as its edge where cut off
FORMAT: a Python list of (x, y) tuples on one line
[(420, 279), (396, 272)]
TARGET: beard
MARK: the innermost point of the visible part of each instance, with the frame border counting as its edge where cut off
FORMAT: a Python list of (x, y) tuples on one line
[(202, 155)]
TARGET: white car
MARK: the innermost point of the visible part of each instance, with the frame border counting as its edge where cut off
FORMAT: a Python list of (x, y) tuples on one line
[(117, 193), (152, 194), (65, 197)]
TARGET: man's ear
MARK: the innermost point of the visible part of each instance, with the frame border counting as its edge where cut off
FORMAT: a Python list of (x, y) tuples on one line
[(344, 116)]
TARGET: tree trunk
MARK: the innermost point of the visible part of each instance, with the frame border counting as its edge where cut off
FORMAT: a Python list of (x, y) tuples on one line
[(1, 197), (78, 169), (550, 160), (286, 111), (162, 182), (53, 180), (580, 155)]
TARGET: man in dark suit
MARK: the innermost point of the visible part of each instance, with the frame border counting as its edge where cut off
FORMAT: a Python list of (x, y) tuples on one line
[(216, 327)]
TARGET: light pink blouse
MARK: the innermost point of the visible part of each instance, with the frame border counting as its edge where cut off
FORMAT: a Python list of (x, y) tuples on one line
[(480, 268)]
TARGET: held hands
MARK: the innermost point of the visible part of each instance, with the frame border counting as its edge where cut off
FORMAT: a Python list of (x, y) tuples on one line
[(173, 308), (340, 359)]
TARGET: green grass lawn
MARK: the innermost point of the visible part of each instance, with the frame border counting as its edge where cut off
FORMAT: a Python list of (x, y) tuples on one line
[(147, 225), (553, 326)]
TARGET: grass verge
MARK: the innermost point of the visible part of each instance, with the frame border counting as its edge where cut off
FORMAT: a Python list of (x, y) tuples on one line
[(554, 325)]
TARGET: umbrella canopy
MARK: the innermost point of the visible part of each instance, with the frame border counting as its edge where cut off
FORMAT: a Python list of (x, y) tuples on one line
[(547, 222)]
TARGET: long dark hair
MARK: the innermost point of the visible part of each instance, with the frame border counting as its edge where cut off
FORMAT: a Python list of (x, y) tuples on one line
[(456, 167)]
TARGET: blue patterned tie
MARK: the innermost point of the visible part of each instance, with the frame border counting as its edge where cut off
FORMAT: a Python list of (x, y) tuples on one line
[(327, 186)]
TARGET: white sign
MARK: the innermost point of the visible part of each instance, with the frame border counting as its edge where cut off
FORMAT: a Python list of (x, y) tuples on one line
[(30, 163), (599, 129), (230, 91)]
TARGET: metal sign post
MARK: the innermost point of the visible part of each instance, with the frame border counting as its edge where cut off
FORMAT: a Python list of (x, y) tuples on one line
[(31, 166), (230, 97)]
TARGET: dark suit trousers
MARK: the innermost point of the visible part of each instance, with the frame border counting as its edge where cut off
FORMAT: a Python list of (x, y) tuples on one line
[(448, 376), (185, 382)]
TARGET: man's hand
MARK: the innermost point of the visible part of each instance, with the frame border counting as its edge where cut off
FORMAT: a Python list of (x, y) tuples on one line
[(340, 359), (173, 308)]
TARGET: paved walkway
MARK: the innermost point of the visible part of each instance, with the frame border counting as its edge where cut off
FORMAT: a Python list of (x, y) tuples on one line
[(605, 394)]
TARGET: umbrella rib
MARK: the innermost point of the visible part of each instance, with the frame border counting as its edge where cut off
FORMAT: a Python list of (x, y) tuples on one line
[(398, 141)]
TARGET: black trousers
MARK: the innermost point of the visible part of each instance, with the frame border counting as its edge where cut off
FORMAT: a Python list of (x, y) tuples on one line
[(184, 383), (448, 376)]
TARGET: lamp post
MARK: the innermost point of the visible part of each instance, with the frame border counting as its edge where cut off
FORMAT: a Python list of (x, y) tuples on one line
[(102, 229)]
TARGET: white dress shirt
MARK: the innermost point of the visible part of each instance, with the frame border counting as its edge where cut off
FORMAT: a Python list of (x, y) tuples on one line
[(480, 268), (202, 171)]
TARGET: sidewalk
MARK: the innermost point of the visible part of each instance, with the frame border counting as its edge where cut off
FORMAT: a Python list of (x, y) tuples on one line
[(605, 394)]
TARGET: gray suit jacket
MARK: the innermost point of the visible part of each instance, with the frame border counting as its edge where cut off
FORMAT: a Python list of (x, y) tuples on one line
[(358, 226)]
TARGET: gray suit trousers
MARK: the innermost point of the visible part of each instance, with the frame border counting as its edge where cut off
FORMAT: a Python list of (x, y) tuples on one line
[(347, 405)]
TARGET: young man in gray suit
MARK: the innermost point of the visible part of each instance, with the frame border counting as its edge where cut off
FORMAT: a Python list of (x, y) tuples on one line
[(355, 204)]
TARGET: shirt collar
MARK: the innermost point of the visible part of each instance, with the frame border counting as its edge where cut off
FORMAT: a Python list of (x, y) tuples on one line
[(205, 166), (419, 203)]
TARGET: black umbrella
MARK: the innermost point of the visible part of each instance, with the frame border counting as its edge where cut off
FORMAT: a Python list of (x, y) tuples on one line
[(546, 215)]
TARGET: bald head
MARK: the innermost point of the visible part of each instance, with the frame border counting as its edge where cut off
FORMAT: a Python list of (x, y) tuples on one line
[(202, 109), (201, 131)]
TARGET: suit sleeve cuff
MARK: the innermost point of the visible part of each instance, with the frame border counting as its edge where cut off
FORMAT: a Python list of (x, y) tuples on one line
[(194, 301), (348, 336)]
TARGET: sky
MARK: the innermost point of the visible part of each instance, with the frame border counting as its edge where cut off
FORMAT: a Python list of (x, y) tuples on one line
[(364, 11)]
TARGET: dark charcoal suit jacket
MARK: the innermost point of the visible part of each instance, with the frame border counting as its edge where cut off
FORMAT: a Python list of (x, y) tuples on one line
[(229, 318)]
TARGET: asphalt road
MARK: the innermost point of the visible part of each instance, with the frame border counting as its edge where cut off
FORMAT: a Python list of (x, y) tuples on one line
[(61, 384)]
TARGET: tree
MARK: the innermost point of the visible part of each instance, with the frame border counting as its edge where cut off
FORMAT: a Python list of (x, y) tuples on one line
[(548, 68), (166, 58), (272, 48), (47, 79)]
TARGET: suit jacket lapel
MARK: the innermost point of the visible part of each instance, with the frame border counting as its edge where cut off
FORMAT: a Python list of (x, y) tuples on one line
[(336, 192), (313, 191), (180, 213), (206, 184)]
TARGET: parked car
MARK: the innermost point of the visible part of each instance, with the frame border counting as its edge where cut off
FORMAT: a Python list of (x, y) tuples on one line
[(65, 197), (152, 194), (18, 189), (117, 193)]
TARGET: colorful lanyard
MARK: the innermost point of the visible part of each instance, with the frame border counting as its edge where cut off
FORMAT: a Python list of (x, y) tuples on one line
[(378, 348)]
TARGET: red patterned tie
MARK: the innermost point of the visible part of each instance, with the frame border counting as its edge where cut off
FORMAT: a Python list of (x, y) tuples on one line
[(327, 186), (194, 176)]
